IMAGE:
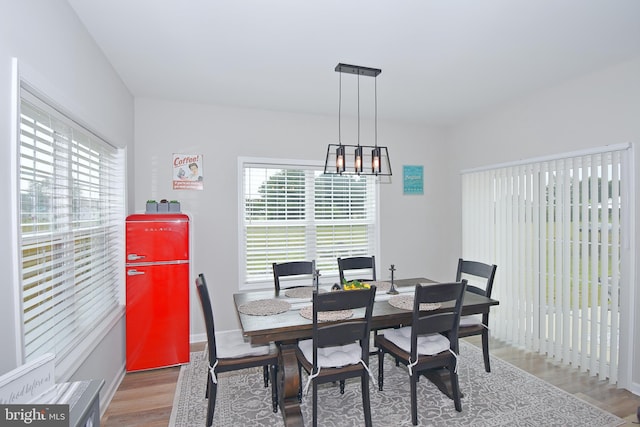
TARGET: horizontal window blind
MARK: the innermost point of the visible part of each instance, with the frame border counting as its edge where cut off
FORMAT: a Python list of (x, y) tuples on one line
[(71, 214), (294, 213), (554, 229)]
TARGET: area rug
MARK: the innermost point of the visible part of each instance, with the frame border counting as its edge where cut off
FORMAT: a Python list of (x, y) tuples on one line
[(508, 396)]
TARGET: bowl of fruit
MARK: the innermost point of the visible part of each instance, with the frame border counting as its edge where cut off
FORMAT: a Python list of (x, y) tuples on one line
[(352, 285)]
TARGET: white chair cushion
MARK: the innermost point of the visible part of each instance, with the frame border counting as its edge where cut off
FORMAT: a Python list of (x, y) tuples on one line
[(427, 344), (332, 357), (471, 320), (230, 345)]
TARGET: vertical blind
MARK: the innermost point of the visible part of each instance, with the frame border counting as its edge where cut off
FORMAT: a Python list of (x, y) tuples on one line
[(295, 213), (71, 213), (554, 229)]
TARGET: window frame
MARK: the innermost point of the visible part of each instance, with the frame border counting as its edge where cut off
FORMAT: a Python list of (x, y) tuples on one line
[(327, 277)]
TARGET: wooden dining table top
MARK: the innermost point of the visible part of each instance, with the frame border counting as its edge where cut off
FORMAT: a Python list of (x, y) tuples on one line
[(290, 325)]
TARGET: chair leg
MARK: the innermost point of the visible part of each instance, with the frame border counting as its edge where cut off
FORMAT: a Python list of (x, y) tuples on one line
[(455, 388), (341, 386), (315, 403), (265, 374), (373, 340), (380, 369), (413, 379), (485, 349), (206, 392), (211, 404), (299, 384), (366, 401), (274, 387)]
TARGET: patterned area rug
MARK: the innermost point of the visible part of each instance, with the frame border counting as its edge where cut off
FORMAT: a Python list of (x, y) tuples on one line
[(507, 396)]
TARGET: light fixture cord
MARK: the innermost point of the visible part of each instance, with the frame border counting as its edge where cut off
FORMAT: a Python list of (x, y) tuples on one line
[(375, 85), (340, 108), (358, 108)]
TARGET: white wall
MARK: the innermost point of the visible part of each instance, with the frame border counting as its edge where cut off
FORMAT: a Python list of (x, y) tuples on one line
[(410, 224), (57, 56), (592, 111)]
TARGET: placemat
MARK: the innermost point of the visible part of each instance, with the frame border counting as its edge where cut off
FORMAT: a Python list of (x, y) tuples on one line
[(264, 307), (301, 292), (381, 286), (325, 316), (405, 302)]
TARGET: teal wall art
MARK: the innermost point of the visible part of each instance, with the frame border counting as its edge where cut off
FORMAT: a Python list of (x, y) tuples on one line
[(413, 179)]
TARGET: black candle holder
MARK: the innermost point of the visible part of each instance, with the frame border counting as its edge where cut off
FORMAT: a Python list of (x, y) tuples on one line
[(392, 290)]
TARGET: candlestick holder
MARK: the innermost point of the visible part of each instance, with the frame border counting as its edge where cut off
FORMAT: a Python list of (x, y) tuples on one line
[(392, 290), (316, 280)]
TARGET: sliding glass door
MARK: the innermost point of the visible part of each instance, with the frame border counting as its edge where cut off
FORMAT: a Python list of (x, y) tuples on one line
[(555, 229)]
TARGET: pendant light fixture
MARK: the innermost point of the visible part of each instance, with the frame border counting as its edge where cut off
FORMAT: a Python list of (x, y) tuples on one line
[(351, 159)]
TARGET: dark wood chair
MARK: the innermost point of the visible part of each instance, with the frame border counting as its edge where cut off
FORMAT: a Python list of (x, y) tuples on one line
[(292, 268), (480, 281), (430, 343), (318, 356), (358, 263), (231, 353)]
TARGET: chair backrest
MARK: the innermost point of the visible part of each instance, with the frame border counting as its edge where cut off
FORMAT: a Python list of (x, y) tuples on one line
[(357, 263), (205, 302), (347, 331), (479, 276), (446, 321), (292, 268)]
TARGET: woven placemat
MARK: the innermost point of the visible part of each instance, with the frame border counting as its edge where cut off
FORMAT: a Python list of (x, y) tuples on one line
[(405, 302), (301, 292), (325, 316), (264, 307), (381, 286)]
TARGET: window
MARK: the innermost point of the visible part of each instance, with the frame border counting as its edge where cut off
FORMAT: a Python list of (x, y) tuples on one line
[(71, 212), (555, 229), (294, 212)]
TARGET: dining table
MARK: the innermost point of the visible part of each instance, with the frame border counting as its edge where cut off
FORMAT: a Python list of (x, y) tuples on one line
[(280, 319)]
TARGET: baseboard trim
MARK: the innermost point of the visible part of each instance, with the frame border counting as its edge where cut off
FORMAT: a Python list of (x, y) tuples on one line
[(107, 394)]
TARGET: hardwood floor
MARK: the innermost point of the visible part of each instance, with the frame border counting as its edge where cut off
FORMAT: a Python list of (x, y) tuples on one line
[(145, 398), (620, 402)]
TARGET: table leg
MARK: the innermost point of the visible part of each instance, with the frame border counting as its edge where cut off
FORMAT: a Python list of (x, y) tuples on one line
[(288, 384), (441, 379)]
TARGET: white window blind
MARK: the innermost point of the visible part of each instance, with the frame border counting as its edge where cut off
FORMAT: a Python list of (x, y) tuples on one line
[(296, 213), (554, 229), (71, 213)]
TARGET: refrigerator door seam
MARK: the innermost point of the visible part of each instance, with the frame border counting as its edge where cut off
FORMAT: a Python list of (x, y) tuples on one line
[(151, 263)]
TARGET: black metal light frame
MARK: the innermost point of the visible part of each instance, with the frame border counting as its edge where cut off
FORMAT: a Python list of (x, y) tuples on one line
[(348, 165), (357, 159)]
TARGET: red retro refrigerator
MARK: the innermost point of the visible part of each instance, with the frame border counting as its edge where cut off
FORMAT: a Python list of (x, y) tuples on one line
[(157, 323)]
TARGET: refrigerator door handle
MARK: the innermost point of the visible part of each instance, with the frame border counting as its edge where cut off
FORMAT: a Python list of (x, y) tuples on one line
[(133, 257), (134, 272)]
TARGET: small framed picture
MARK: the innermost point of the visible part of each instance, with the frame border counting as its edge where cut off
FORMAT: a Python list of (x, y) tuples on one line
[(413, 179)]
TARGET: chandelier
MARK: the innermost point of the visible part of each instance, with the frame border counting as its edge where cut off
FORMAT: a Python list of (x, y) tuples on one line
[(357, 159)]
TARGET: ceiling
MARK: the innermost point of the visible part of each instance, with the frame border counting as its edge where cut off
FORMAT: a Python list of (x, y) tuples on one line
[(442, 60)]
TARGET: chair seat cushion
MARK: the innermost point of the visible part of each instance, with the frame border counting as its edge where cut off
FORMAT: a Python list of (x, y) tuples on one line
[(230, 345), (471, 320), (332, 357), (427, 344)]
